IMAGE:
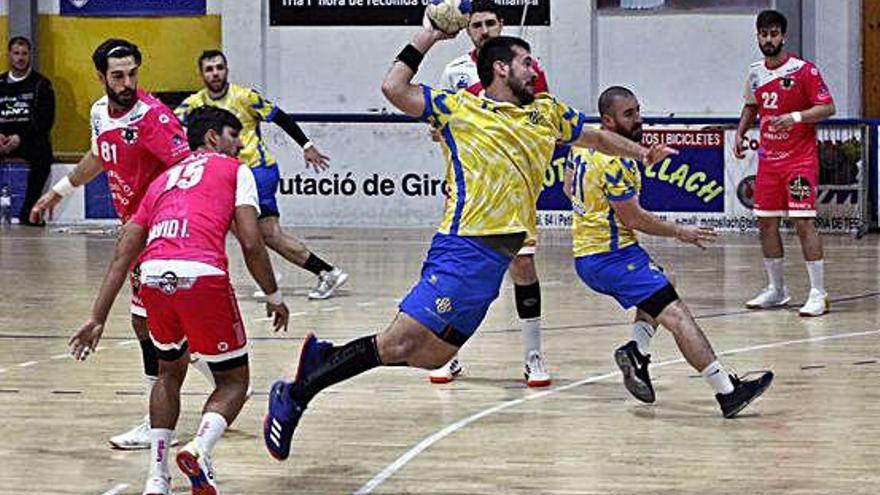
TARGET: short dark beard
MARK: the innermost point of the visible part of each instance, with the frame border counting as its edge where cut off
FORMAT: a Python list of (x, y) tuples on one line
[(115, 98), (521, 91), (772, 51), (636, 135)]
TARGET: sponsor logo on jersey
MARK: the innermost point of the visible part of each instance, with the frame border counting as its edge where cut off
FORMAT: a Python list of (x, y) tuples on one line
[(787, 83), (129, 135), (79, 3)]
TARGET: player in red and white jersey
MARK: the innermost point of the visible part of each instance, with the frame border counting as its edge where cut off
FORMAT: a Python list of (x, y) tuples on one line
[(180, 231), (484, 24), (791, 97), (134, 138)]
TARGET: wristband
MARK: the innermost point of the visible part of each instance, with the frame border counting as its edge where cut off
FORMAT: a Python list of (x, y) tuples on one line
[(797, 117), (411, 57), (275, 298), (64, 187), (308, 145)]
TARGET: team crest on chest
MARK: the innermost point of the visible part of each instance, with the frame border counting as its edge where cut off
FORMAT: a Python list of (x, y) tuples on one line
[(786, 83), (129, 135)]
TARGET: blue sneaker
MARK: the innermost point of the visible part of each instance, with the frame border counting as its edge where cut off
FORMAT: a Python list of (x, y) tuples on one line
[(281, 421), (284, 411)]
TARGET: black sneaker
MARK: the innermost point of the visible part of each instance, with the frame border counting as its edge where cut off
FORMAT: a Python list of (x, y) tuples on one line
[(744, 392), (634, 368)]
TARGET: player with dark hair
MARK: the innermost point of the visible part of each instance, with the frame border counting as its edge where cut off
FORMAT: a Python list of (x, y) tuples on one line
[(604, 190), (791, 97), (497, 147), (179, 234), (252, 109), (484, 24), (135, 137)]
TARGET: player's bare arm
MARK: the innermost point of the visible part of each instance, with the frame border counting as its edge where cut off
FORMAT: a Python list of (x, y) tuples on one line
[(247, 231), (130, 242), (568, 183), (88, 168), (746, 120), (816, 113), (614, 144), (635, 217), (397, 86)]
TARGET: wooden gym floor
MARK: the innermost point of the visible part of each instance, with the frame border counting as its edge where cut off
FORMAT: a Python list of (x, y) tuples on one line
[(816, 431)]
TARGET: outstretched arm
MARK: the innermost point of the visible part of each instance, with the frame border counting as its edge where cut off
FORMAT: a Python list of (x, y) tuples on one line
[(633, 216), (313, 157), (131, 241), (616, 145)]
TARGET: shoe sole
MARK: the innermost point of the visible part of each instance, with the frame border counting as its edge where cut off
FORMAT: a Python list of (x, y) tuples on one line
[(539, 383), (780, 304), (633, 384), (811, 315), (439, 380), (339, 283), (140, 446), (189, 466), (758, 393)]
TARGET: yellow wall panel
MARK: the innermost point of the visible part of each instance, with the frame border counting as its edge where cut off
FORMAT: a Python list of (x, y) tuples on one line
[(170, 46)]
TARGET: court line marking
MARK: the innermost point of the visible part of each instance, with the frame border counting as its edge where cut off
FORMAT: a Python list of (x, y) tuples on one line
[(27, 364), (116, 489), (426, 443)]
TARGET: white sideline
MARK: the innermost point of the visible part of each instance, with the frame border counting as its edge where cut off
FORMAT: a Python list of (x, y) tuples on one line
[(412, 453)]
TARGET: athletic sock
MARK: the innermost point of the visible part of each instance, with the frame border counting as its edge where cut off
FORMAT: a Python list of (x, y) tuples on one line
[(718, 378), (350, 360), (531, 336), (816, 270), (774, 272), (642, 334), (160, 443), (210, 430), (316, 265)]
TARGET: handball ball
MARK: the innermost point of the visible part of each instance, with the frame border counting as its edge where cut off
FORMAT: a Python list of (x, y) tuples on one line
[(449, 16)]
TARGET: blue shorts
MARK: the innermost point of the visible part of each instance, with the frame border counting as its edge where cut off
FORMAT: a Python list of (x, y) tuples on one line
[(267, 179), (460, 278), (627, 274)]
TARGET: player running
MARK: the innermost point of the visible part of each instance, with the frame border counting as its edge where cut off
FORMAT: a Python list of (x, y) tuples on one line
[(252, 109), (484, 24), (604, 190)]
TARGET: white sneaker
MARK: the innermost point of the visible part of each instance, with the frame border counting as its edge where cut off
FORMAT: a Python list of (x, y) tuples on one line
[(770, 297), (197, 467), (446, 373), (535, 371), (137, 438), (328, 282), (158, 485), (259, 294), (817, 304)]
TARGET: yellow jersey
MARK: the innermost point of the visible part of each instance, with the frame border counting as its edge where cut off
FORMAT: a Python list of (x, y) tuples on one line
[(250, 108), (599, 179), (496, 154)]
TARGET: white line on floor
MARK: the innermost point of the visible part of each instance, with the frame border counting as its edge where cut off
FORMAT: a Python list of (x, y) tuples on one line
[(116, 489), (60, 356), (412, 453), (26, 364), (331, 308)]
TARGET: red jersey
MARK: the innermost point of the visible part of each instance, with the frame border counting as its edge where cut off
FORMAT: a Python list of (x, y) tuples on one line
[(135, 147), (461, 73), (189, 208), (794, 86)]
